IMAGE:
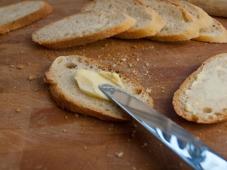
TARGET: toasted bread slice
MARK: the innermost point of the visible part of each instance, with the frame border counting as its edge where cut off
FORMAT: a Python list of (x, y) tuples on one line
[(21, 14), (66, 92), (148, 22), (215, 33), (82, 28), (202, 97), (180, 24)]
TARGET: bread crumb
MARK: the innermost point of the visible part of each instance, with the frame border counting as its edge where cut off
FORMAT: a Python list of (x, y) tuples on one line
[(145, 144), (119, 154), (134, 46), (134, 71), (18, 110), (85, 147), (31, 77), (148, 90), (76, 115), (12, 66), (147, 64), (20, 66), (36, 90), (133, 133), (123, 59), (64, 130), (66, 117), (130, 65), (137, 59), (133, 168), (163, 89)]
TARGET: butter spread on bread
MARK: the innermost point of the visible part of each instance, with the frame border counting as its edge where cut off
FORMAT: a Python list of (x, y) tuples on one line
[(202, 97), (89, 81), (208, 93), (67, 94)]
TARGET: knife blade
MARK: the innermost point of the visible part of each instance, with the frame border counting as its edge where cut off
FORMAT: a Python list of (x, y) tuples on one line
[(188, 147)]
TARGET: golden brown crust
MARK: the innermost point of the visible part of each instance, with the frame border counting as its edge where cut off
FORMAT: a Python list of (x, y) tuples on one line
[(192, 32), (27, 20), (179, 105), (64, 43), (66, 103)]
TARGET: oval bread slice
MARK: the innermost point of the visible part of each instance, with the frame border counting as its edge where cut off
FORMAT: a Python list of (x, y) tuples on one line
[(148, 22), (201, 17), (202, 97), (180, 24), (211, 30), (21, 14), (67, 94), (82, 28)]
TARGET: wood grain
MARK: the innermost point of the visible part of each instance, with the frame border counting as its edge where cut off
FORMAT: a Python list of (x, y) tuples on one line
[(36, 134)]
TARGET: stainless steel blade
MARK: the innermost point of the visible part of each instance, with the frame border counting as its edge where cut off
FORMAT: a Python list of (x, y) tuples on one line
[(184, 144)]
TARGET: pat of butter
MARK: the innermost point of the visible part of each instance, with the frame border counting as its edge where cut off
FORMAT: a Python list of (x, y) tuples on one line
[(89, 81)]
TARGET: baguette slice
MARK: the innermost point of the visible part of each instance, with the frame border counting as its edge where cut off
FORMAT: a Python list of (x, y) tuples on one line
[(210, 29), (148, 22), (202, 97), (202, 18), (67, 95), (82, 28), (180, 24), (215, 33), (21, 14)]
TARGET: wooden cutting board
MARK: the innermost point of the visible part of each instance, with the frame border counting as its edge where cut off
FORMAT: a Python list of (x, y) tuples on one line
[(36, 134)]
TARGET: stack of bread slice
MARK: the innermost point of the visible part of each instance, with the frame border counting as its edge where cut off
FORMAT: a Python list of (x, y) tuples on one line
[(161, 20)]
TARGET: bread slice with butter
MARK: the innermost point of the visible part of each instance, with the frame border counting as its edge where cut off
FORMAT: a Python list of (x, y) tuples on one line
[(63, 78), (82, 28), (148, 22), (23, 13), (202, 97)]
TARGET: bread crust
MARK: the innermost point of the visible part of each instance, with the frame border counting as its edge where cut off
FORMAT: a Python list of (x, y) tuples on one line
[(27, 20), (70, 42), (180, 107), (66, 103), (188, 34)]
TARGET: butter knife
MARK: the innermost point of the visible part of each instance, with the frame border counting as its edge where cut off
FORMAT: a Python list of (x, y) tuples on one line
[(188, 147)]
